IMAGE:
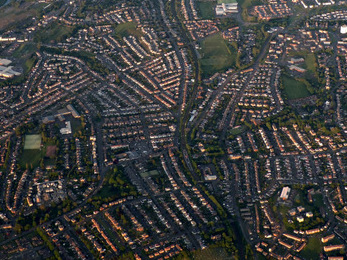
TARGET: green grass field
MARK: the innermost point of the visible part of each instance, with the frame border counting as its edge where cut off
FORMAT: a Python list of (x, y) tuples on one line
[(318, 200), (226, 1), (76, 125), (31, 157), (310, 61), (25, 49), (312, 249), (206, 9), (54, 33), (25, 53), (294, 88), (216, 55), (245, 5), (126, 29), (149, 174), (32, 142), (16, 14), (214, 253), (237, 130)]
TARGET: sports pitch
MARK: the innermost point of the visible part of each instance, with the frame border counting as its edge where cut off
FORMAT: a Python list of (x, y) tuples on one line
[(32, 142), (226, 1)]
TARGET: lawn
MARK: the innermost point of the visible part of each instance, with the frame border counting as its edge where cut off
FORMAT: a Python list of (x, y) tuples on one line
[(216, 55), (32, 142), (237, 130), (226, 1), (31, 158), (26, 49), (206, 9), (17, 14), (25, 53), (294, 88), (211, 253), (76, 125), (245, 6), (310, 61), (126, 29), (318, 200), (149, 174), (312, 249), (55, 32)]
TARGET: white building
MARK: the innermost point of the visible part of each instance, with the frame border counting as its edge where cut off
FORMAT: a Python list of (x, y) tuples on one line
[(285, 193), (343, 29), (8, 72), (67, 130), (5, 62), (225, 9)]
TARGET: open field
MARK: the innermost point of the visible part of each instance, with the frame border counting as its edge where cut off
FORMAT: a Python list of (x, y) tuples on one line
[(206, 9), (11, 14), (32, 154), (214, 253), (313, 249), (211, 254), (216, 55), (126, 29), (32, 142), (310, 61), (31, 158), (76, 125), (226, 1), (149, 174), (56, 32), (294, 88), (245, 5), (237, 130), (318, 200)]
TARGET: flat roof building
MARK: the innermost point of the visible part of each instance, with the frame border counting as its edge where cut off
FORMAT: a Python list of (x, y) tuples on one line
[(285, 193), (225, 9)]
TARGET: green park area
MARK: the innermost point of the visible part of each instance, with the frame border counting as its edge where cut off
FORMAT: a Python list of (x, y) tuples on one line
[(149, 174), (126, 29), (32, 153), (76, 125), (26, 53), (210, 253), (206, 9), (310, 62), (294, 88), (226, 1), (55, 32), (11, 14), (245, 6), (313, 249), (237, 130), (115, 185), (216, 55)]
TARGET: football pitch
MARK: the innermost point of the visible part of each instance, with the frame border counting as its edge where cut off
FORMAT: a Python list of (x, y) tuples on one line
[(32, 142)]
